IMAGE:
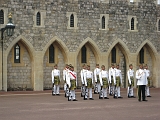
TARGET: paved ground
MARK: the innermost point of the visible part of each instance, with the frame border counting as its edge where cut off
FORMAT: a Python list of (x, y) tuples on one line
[(43, 106)]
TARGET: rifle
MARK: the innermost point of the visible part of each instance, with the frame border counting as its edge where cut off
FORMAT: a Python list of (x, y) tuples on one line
[(95, 89), (129, 92), (85, 93), (100, 93), (82, 91), (52, 88), (69, 95), (115, 92), (111, 89), (67, 91)]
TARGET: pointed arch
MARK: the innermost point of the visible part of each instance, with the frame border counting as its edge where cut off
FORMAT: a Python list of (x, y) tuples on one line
[(123, 47), (93, 47), (61, 44), (27, 44)]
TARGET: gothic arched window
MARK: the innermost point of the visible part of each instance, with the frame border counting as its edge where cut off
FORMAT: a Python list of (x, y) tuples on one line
[(38, 19), (103, 22), (83, 55), (72, 20), (1, 17), (132, 24), (141, 56), (114, 55), (17, 53), (51, 54)]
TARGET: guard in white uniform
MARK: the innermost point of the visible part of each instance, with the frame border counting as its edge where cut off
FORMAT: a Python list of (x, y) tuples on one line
[(148, 80), (88, 81), (83, 71), (104, 81), (141, 82), (118, 81), (65, 72), (112, 78), (56, 80), (130, 75), (72, 83), (97, 81)]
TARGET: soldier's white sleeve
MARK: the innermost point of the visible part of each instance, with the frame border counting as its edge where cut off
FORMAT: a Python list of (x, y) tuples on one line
[(120, 76), (110, 75), (114, 76), (59, 75), (85, 81), (128, 77), (68, 80), (64, 75), (52, 76), (100, 78), (76, 78), (82, 77), (92, 77), (95, 75)]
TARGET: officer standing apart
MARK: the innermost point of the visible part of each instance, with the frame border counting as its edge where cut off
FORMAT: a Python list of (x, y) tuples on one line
[(96, 76), (118, 81), (130, 75), (111, 79), (148, 80), (141, 82), (56, 80), (88, 81), (104, 81), (72, 83)]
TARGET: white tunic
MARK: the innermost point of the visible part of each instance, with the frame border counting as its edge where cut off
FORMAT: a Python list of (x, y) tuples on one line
[(71, 75), (141, 77), (118, 74), (65, 72), (96, 72), (55, 72), (112, 73), (103, 74), (88, 74), (130, 73), (83, 71)]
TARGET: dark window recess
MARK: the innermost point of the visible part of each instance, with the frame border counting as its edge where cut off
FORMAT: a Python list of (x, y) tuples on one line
[(72, 20), (114, 55), (17, 53), (1, 17), (38, 19), (159, 25), (103, 22), (132, 24), (83, 55), (141, 56), (51, 54)]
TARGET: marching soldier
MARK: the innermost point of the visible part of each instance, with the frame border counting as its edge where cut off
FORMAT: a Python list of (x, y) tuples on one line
[(72, 83), (148, 80), (88, 81), (130, 75), (118, 81), (82, 79), (141, 82), (65, 73), (56, 80), (104, 81), (111, 79), (96, 76)]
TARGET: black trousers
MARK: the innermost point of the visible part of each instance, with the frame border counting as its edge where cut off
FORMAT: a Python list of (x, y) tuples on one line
[(141, 89)]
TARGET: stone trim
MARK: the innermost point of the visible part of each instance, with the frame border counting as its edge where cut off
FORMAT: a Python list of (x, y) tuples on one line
[(106, 21), (5, 10), (135, 23), (157, 25), (43, 16), (68, 14)]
